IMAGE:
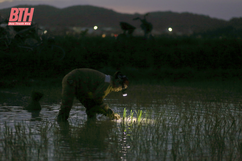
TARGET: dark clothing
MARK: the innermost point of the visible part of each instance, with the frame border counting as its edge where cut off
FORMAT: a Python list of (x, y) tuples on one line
[(90, 87)]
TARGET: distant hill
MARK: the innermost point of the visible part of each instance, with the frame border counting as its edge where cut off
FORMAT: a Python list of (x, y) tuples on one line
[(236, 22), (88, 16)]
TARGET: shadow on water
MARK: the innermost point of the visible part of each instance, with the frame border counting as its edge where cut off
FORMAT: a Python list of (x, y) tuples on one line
[(91, 138)]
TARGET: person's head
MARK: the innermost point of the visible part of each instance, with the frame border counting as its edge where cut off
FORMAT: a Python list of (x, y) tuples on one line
[(120, 82), (36, 96)]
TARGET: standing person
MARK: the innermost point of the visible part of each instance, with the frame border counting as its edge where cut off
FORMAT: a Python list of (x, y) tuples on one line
[(145, 26), (90, 87)]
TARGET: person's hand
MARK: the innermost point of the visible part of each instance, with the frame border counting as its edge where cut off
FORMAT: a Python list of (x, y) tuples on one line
[(106, 107), (116, 116)]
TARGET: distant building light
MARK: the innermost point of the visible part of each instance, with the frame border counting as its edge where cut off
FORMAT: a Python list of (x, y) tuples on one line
[(115, 35), (95, 27), (170, 29), (103, 35)]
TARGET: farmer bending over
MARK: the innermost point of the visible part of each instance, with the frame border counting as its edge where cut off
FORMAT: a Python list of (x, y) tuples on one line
[(90, 87)]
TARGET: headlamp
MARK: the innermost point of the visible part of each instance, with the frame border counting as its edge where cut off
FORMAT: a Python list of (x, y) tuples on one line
[(124, 91), (124, 82)]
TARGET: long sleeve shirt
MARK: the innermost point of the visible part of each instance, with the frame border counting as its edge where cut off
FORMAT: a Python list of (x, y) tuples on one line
[(90, 82)]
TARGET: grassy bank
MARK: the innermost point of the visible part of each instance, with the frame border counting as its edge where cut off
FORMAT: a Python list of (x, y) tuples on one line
[(172, 58), (135, 75)]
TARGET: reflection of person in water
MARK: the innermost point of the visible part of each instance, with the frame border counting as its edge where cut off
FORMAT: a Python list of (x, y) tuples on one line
[(90, 87), (34, 106), (34, 102), (92, 134)]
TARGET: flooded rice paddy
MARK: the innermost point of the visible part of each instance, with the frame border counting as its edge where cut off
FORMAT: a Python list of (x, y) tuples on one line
[(161, 123)]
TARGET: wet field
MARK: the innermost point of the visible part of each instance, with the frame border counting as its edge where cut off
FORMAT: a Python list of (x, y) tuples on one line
[(186, 121)]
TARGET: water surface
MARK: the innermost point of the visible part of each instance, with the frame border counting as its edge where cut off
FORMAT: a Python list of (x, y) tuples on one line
[(176, 124)]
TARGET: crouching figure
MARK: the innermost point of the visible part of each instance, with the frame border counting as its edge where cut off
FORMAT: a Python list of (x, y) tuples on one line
[(90, 87), (34, 102)]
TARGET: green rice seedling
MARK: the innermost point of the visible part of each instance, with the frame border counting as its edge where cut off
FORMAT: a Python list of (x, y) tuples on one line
[(139, 115), (124, 114), (131, 115)]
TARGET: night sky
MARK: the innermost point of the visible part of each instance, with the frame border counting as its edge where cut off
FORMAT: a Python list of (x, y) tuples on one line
[(222, 9)]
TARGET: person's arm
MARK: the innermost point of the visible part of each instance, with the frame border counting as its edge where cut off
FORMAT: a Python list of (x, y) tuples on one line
[(90, 99), (99, 94), (105, 110)]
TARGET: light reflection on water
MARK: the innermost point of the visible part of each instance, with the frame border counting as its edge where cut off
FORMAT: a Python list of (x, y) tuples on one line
[(112, 140)]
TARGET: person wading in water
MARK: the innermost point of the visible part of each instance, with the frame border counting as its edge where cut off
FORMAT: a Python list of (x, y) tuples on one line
[(90, 87)]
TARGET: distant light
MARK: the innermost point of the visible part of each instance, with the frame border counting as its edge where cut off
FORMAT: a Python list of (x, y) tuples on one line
[(114, 35), (103, 35), (95, 27), (45, 31), (170, 29), (125, 94)]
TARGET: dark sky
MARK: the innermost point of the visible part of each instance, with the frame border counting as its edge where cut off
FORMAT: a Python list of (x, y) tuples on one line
[(222, 9)]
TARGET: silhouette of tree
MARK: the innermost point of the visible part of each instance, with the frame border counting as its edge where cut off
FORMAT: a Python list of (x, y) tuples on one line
[(145, 26), (127, 28)]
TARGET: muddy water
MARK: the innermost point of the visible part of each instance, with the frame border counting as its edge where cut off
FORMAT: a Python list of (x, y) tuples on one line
[(173, 126)]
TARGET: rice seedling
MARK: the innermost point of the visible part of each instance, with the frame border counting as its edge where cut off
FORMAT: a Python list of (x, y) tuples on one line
[(124, 113), (139, 114), (131, 115)]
